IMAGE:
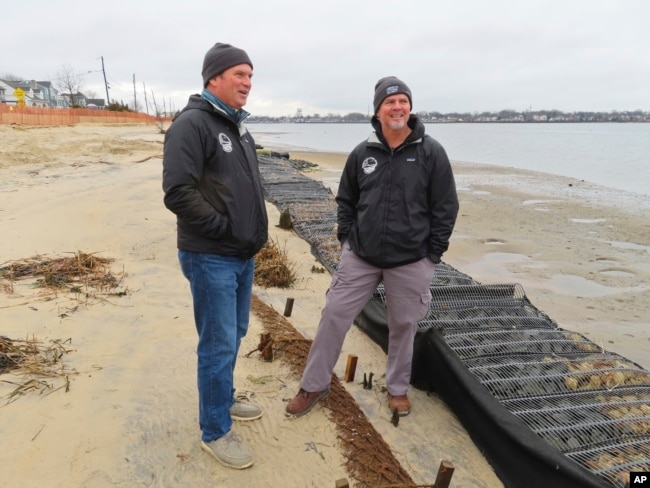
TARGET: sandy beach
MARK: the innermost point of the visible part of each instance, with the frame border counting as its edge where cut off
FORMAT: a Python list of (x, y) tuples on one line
[(129, 416)]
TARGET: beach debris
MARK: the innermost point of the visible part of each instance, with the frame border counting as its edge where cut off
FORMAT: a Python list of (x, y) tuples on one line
[(265, 347), (270, 153), (301, 164), (273, 268), (261, 380), (277, 154), (6, 285), (34, 365), (311, 446), (85, 275)]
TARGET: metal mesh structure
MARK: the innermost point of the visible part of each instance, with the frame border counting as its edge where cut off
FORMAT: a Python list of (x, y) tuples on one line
[(496, 343), (615, 464), (591, 405), (595, 408), (311, 206), (459, 302)]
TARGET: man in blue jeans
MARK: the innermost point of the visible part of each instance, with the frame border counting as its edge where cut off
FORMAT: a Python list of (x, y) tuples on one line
[(211, 181), (396, 210)]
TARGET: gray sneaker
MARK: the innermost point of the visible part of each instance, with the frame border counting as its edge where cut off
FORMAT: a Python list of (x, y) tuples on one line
[(229, 451), (242, 410)]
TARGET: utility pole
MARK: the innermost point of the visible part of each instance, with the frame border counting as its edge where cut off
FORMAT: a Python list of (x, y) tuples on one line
[(146, 103), (135, 98), (108, 100)]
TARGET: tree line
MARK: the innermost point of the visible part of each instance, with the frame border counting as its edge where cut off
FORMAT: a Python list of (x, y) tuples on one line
[(500, 116)]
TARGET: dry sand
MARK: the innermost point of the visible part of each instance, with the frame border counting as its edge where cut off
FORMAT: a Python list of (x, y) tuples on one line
[(581, 252)]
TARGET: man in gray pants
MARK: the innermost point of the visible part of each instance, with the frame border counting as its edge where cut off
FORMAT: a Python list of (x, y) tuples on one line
[(397, 207)]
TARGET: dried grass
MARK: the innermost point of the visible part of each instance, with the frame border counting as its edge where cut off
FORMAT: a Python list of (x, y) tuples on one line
[(35, 363), (38, 366), (85, 275), (6, 286), (273, 268)]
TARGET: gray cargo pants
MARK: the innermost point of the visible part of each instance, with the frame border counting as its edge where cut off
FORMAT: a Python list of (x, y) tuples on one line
[(407, 302)]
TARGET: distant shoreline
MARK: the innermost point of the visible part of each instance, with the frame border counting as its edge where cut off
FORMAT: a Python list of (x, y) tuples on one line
[(252, 120)]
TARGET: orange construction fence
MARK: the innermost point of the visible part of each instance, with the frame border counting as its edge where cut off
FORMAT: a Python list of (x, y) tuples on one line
[(13, 114)]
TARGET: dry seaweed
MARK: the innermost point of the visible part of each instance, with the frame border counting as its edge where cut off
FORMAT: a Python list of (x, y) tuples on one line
[(84, 275), (273, 268), (369, 459), (36, 364)]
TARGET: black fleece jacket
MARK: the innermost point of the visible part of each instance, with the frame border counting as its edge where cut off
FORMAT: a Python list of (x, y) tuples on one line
[(397, 206), (212, 183)]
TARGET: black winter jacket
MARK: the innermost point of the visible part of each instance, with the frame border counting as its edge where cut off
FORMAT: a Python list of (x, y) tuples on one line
[(396, 207), (211, 181)]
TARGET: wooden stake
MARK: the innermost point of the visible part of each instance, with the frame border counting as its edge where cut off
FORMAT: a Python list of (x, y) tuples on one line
[(351, 368), (266, 346), (342, 483), (288, 307), (445, 472)]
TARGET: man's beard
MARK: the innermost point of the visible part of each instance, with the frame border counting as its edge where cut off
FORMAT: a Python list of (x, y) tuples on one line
[(396, 124)]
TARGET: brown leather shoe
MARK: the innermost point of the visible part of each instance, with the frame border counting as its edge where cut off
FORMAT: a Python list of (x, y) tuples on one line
[(400, 403), (304, 401)]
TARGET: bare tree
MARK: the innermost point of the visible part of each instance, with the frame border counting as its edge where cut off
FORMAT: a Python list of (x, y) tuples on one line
[(159, 113), (69, 83), (10, 77)]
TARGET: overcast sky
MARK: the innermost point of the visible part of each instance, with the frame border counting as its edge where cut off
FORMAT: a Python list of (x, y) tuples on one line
[(326, 56)]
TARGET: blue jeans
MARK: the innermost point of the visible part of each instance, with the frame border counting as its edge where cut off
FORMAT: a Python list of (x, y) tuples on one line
[(221, 291)]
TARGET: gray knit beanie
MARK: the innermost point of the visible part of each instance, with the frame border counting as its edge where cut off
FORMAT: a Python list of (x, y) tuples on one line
[(219, 58), (388, 86)]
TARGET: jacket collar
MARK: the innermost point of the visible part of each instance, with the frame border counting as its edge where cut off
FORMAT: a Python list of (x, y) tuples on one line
[(416, 135), (237, 116)]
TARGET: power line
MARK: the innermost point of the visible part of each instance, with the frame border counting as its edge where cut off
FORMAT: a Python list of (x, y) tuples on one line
[(74, 75)]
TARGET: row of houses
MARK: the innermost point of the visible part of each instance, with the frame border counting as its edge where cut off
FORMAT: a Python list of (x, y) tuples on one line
[(34, 93)]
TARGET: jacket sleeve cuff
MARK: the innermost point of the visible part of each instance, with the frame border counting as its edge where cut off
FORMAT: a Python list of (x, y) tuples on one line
[(434, 258)]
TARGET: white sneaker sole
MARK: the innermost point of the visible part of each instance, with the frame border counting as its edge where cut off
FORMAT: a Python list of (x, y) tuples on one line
[(207, 449), (237, 417)]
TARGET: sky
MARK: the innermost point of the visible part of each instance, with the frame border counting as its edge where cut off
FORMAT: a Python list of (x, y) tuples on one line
[(324, 57)]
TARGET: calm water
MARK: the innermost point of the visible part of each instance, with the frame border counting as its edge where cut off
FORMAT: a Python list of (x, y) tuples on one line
[(611, 155)]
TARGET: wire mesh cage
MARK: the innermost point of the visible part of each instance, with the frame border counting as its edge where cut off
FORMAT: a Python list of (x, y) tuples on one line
[(515, 376), (615, 463), (606, 430), (311, 207), (581, 420), (518, 341)]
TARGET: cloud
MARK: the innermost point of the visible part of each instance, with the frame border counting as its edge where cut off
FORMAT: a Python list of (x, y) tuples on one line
[(325, 57)]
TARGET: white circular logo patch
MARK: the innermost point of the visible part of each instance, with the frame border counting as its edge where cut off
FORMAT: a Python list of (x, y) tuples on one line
[(225, 142), (369, 165)]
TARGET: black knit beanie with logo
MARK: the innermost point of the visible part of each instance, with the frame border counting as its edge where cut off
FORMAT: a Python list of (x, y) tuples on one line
[(219, 58), (388, 86)]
